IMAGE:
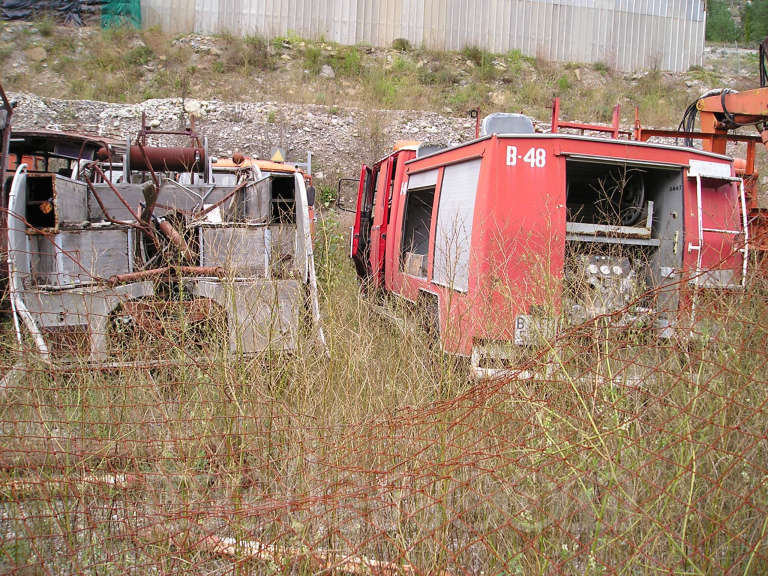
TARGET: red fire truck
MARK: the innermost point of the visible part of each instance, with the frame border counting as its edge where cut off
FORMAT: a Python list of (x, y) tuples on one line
[(512, 234)]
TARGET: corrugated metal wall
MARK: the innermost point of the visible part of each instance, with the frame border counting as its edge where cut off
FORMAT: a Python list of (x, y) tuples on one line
[(625, 34)]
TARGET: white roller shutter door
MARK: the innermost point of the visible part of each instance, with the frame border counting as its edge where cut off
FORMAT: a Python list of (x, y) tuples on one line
[(454, 225)]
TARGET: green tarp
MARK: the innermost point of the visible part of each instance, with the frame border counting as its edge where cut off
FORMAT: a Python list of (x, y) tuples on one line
[(112, 12), (121, 13)]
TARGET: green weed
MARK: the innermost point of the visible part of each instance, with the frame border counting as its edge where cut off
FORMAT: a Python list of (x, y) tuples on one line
[(313, 59), (348, 62)]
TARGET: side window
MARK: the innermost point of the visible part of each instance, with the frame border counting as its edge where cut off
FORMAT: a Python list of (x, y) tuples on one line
[(454, 225), (381, 176), (368, 193), (391, 183), (283, 205), (417, 221)]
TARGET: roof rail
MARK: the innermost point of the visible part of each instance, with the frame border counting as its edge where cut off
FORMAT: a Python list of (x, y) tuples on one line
[(613, 129)]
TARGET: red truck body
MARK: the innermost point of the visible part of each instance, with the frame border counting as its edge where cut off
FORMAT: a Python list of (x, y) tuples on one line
[(510, 234)]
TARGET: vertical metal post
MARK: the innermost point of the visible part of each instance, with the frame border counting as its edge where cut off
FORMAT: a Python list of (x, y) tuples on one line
[(745, 227), (700, 225), (697, 274), (5, 140), (555, 116)]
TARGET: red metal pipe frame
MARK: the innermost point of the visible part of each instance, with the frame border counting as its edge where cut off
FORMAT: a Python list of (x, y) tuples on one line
[(190, 131), (613, 129), (106, 213), (116, 192), (717, 140), (643, 134)]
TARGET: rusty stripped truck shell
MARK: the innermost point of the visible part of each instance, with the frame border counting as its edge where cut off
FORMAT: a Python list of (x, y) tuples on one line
[(93, 257)]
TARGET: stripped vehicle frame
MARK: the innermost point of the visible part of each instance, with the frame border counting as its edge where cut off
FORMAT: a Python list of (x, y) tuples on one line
[(127, 245)]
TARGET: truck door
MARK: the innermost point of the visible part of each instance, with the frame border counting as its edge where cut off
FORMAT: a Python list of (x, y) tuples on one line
[(361, 232), (717, 241), (383, 203)]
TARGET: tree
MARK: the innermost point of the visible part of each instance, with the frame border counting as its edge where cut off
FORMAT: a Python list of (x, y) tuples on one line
[(720, 24), (755, 20)]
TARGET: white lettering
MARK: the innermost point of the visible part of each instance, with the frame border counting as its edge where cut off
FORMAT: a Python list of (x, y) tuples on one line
[(511, 155), (534, 157)]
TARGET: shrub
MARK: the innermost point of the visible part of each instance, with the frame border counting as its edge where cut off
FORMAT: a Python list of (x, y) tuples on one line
[(401, 44), (138, 56), (246, 53), (384, 89), (257, 52), (46, 25), (437, 74), (313, 60), (474, 54), (6, 51), (327, 195), (516, 60), (348, 62)]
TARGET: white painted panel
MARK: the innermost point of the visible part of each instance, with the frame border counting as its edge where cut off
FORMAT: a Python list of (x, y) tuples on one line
[(627, 34), (707, 169), (422, 179), (173, 16), (454, 224)]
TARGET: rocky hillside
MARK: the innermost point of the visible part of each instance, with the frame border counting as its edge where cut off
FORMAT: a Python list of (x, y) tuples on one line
[(345, 104), (339, 139)]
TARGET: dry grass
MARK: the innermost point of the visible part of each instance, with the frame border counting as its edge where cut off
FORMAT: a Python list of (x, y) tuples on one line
[(623, 454)]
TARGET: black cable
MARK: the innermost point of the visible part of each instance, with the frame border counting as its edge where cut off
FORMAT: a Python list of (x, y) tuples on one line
[(730, 120), (688, 122)]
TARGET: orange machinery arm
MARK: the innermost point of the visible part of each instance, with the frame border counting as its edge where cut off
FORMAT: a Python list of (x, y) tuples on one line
[(729, 110), (719, 115), (725, 112)]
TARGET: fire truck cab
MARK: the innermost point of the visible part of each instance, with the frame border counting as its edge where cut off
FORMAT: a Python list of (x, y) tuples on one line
[(513, 235)]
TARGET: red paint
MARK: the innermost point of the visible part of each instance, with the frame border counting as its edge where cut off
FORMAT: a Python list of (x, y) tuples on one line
[(517, 253)]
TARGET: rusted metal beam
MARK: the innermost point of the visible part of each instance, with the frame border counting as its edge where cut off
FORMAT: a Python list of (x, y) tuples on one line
[(212, 207), (175, 238), (216, 271)]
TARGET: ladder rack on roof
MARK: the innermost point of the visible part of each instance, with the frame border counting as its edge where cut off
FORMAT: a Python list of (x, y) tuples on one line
[(613, 129)]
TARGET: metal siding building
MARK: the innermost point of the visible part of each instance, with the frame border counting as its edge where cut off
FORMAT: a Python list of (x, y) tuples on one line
[(624, 34)]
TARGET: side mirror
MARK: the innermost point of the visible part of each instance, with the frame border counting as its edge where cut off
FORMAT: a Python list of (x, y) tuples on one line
[(345, 184), (311, 195)]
